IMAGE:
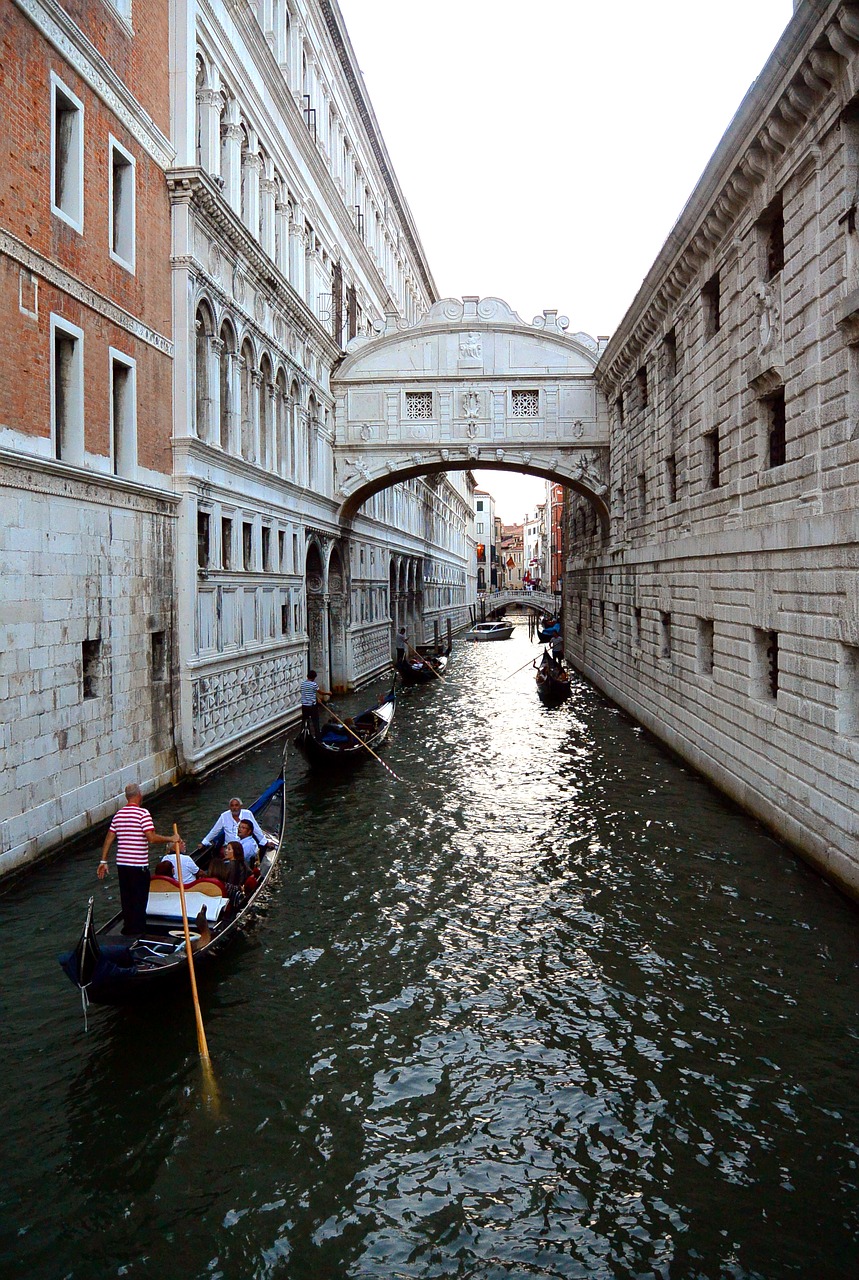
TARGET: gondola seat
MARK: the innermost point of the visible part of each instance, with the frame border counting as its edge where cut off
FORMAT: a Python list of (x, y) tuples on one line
[(164, 902)]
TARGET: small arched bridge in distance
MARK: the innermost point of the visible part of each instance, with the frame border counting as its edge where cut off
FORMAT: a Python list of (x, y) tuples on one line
[(470, 385), (540, 602)]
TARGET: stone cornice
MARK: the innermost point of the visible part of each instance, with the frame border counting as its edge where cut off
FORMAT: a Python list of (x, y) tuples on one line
[(337, 30), (803, 70), (60, 479), (195, 186), (67, 38), (54, 274)]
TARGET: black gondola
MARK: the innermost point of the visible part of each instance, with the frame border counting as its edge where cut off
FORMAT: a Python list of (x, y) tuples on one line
[(336, 746), (547, 634), (112, 969), (553, 682), (423, 664)]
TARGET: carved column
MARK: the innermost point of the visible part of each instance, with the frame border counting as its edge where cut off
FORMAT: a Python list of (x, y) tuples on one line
[(210, 104), (296, 255), (274, 433), (268, 196), (251, 170), (231, 165), (281, 236), (231, 403), (216, 352), (253, 432)]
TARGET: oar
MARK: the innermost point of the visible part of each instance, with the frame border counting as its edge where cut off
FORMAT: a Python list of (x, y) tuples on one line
[(420, 657), (363, 744), (205, 1060), (518, 669)]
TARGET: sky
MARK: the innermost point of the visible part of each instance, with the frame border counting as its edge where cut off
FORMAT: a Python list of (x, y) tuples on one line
[(546, 160)]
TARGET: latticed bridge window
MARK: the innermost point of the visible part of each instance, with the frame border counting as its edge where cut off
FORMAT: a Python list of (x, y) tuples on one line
[(418, 404), (526, 404)]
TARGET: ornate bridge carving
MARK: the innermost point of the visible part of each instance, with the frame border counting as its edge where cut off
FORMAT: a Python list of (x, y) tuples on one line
[(470, 385)]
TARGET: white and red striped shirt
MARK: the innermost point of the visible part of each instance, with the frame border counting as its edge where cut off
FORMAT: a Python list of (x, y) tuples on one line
[(130, 826)]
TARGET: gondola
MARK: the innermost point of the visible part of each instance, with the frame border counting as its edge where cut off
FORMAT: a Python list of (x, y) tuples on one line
[(423, 664), (553, 682), (547, 634), (112, 969), (336, 746)]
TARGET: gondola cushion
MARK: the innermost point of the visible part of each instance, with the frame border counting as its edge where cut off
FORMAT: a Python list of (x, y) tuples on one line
[(169, 905)]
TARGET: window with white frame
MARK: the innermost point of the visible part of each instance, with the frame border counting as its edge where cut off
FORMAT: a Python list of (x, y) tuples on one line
[(67, 155), (122, 204), (123, 413), (67, 390)]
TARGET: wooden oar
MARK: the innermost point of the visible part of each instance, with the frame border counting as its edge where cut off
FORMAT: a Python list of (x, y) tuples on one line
[(205, 1060), (420, 657), (518, 669), (359, 739)]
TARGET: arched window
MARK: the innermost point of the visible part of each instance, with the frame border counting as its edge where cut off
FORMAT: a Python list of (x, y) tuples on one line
[(312, 413), (203, 330), (294, 429), (228, 352), (265, 450), (247, 402), (281, 423)]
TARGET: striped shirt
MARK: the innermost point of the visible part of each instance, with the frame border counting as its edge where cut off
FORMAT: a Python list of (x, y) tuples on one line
[(308, 690), (130, 826)]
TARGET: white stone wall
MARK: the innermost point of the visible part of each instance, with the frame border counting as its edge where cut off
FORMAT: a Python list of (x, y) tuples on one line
[(721, 609), (82, 562)]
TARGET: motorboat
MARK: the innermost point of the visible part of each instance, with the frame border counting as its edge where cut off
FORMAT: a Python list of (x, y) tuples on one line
[(490, 631)]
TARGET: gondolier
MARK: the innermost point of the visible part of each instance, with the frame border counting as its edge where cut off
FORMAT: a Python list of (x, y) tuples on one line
[(134, 831), (310, 695), (401, 643)]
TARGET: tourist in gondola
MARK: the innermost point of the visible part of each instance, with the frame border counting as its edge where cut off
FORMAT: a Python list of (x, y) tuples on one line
[(134, 831), (167, 867), (227, 824)]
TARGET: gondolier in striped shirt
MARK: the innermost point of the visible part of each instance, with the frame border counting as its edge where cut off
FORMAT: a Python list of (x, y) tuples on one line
[(310, 695), (134, 831)]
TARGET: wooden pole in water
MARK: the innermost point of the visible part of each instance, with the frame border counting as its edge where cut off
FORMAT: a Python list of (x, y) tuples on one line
[(421, 658), (360, 740), (201, 1033)]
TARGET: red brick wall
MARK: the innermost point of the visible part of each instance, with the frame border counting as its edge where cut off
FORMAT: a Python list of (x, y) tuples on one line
[(26, 61)]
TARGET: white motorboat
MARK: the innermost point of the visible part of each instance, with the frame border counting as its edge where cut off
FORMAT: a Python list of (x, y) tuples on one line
[(490, 631)]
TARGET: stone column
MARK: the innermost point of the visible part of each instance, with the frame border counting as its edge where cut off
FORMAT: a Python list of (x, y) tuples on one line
[(253, 443), (281, 240), (296, 255), (231, 165), (268, 196), (210, 104), (216, 351), (251, 170), (273, 441)]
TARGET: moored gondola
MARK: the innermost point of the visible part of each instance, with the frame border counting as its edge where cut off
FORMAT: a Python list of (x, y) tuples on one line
[(547, 634), (110, 968), (553, 681), (346, 742)]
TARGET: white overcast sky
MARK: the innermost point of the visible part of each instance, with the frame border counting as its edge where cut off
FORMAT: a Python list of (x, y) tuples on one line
[(546, 149)]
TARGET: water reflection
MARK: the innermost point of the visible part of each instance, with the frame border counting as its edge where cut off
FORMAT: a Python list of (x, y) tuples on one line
[(550, 1009)]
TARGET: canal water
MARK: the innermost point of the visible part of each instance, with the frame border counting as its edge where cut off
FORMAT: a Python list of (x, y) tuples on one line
[(549, 1006)]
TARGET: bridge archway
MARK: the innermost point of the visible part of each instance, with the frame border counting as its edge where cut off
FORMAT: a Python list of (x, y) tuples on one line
[(470, 385)]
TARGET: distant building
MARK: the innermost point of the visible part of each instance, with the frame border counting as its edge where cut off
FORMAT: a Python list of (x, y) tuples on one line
[(511, 555), (484, 532)]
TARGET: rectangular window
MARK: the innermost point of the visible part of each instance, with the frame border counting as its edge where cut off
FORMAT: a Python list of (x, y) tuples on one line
[(712, 469), (665, 635), (67, 155), (636, 626), (525, 404), (618, 404), (295, 553), (771, 239), (91, 668), (247, 545), (67, 391), (765, 664), (123, 410), (705, 646), (122, 205), (157, 656), (418, 405), (281, 549), (669, 354), (775, 424), (266, 549), (671, 477), (848, 691), (641, 486), (284, 619), (641, 381), (712, 307), (480, 505), (226, 543), (203, 544)]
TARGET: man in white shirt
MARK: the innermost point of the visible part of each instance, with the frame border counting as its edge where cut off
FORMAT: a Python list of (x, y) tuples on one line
[(228, 824), (190, 870)]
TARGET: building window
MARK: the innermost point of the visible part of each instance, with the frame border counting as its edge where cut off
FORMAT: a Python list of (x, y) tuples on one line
[(480, 504), (67, 391), (158, 656), (91, 668), (641, 382), (203, 543), (525, 404), (669, 354), (671, 477), (705, 646), (711, 303), (266, 549), (636, 626), (665, 636), (418, 405), (226, 543), (775, 423), (848, 691), (284, 619), (771, 239), (281, 550), (123, 410), (765, 664), (122, 205), (67, 155), (247, 545), (641, 486), (618, 404), (712, 471)]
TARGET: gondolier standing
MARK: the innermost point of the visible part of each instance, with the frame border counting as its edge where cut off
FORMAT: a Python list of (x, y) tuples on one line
[(134, 831), (401, 643), (310, 695)]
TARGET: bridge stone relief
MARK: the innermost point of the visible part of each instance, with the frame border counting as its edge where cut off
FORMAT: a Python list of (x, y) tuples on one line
[(470, 385)]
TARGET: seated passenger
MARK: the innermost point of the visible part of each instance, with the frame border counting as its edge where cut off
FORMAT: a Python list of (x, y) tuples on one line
[(218, 868), (229, 820), (167, 867), (249, 843), (237, 873)]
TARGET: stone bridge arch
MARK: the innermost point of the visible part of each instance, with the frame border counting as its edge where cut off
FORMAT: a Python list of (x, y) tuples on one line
[(470, 385)]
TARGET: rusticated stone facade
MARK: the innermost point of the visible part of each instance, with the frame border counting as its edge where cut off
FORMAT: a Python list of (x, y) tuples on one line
[(721, 606)]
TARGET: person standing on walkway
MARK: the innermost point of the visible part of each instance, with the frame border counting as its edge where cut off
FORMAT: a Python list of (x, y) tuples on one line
[(310, 694), (134, 831)]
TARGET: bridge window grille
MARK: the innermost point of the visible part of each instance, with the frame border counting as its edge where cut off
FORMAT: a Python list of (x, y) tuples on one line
[(525, 403), (418, 405)]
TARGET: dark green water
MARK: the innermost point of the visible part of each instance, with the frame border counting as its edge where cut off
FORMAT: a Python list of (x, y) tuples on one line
[(552, 1008)]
